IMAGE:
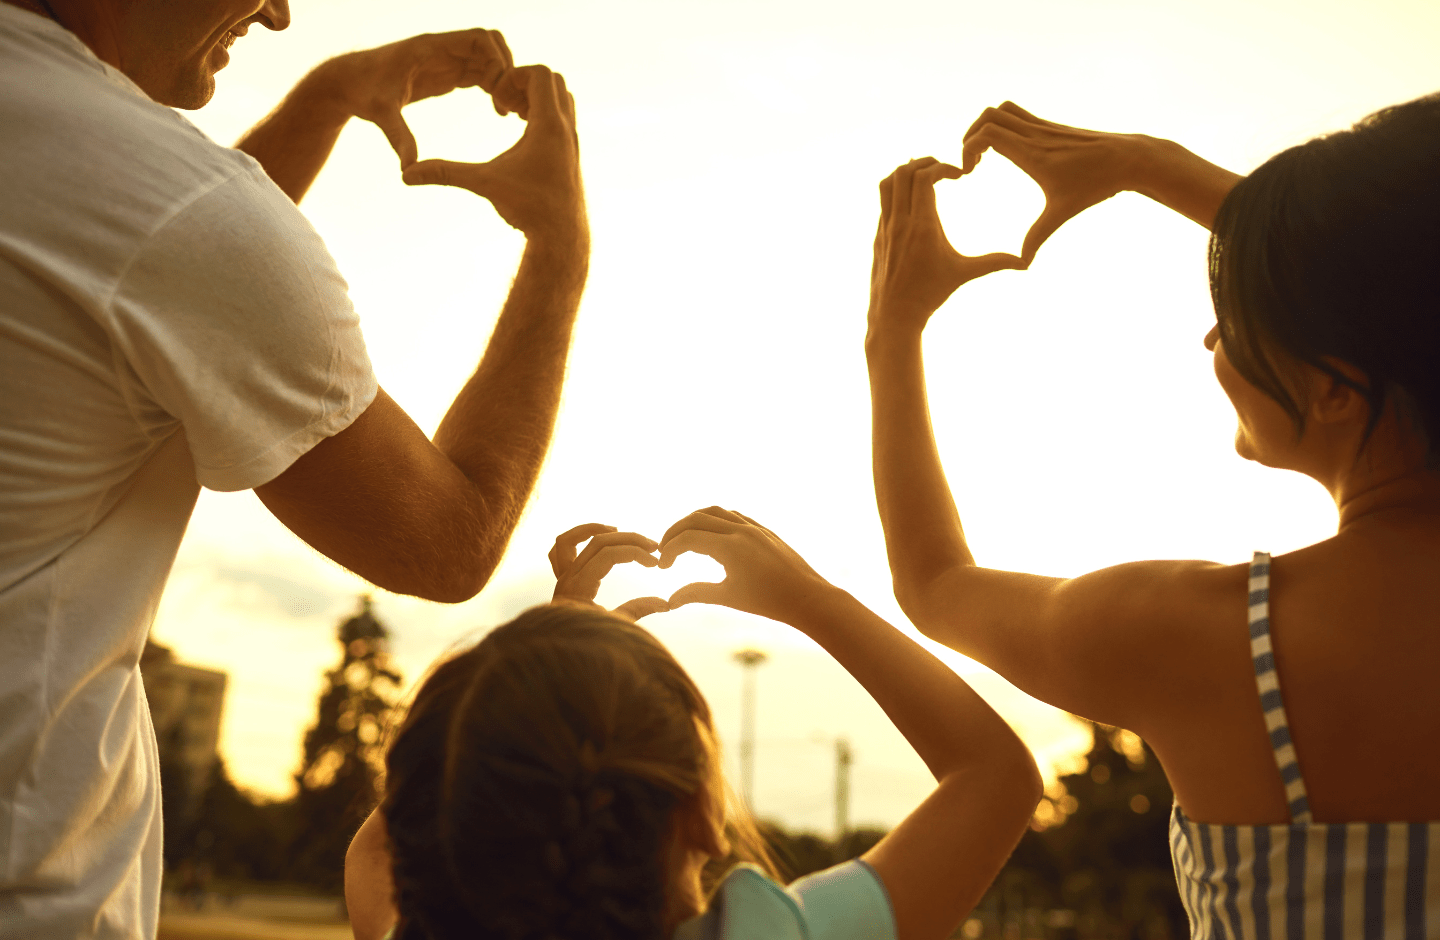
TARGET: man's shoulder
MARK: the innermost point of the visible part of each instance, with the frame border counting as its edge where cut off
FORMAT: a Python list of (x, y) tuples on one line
[(81, 133)]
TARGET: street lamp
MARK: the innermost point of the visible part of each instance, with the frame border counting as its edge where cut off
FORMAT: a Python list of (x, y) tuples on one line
[(748, 660)]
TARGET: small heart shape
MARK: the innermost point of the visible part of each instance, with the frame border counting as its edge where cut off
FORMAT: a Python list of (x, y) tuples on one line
[(994, 206)]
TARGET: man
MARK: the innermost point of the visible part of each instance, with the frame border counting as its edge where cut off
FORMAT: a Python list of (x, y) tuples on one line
[(169, 320)]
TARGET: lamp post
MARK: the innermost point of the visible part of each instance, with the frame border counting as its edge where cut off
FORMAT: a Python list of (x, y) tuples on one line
[(748, 660), (844, 757)]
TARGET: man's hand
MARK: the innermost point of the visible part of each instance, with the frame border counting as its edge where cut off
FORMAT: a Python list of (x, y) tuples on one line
[(535, 185), (375, 84), (763, 575), (915, 268), (578, 574)]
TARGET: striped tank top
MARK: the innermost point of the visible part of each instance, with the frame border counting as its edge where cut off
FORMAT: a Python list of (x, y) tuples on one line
[(1305, 880)]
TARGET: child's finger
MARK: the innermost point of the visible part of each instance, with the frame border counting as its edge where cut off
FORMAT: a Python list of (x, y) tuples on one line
[(699, 592), (642, 607), (562, 554)]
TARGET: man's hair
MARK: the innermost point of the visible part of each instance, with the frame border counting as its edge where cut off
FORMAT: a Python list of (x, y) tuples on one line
[(531, 789), (1331, 250)]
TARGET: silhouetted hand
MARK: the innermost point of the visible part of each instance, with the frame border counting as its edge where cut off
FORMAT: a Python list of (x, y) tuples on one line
[(763, 575), (916, 269), (578, 576), (1075, 168), (375, 84), (535, 185)]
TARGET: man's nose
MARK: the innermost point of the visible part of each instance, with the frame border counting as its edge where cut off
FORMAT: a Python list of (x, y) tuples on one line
[(275, 14)]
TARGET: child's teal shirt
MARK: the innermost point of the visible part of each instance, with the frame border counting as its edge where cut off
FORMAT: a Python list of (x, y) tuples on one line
[(847, 902)]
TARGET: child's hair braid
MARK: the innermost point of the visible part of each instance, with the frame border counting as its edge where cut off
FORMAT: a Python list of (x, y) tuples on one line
[(531, 788)]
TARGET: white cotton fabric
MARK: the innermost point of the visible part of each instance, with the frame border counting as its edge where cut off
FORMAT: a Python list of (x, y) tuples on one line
[(168, 319)]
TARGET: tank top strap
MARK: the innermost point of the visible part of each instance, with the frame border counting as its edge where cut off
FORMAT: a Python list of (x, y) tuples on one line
[(1267, 681)]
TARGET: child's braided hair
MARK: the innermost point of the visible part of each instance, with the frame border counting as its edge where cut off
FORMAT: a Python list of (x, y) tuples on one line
[(531, 788)]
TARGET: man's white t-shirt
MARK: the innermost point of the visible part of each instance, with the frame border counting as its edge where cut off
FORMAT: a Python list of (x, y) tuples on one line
[(168, 320)]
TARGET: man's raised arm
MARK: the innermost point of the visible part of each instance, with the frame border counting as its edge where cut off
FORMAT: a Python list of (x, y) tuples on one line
[(293, 142), (432, 518)]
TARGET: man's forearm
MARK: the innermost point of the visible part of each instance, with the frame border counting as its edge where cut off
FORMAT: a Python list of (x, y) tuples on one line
[(923, 535), (293, 142), (498, 429), (1177, 178)]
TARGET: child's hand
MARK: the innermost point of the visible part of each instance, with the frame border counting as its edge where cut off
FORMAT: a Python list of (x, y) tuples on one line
[(763, 575), (577, 579)]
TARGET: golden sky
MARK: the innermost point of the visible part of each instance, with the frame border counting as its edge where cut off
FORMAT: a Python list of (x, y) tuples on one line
[(731, 152)]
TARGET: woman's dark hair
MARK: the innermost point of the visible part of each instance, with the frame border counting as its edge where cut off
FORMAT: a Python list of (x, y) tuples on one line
[(531, 788), (1331, 250)]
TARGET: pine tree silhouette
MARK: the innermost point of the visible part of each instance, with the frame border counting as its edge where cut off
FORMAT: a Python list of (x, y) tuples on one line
[(339, 779)]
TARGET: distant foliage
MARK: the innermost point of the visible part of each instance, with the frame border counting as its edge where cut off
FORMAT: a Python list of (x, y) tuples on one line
[(339, 779)]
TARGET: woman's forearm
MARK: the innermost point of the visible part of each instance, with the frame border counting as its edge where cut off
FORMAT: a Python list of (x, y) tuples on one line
[(923, 534), (1177, 178)]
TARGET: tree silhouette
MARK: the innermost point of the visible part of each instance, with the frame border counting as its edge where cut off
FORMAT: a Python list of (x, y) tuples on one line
[(338, 781)]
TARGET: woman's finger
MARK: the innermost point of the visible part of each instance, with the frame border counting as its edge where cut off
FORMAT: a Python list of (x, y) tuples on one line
[(562, 553), (904, 176), (923, 195)]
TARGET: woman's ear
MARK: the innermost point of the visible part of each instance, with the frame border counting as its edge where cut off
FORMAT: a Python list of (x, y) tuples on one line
[(1331, 401)]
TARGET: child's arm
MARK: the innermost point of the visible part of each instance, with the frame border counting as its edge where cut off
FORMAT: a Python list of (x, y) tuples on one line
[(936, 864), (1107, 645), (369, 887)]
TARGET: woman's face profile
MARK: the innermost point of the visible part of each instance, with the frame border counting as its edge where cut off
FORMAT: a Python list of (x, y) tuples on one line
[(1264, 432)]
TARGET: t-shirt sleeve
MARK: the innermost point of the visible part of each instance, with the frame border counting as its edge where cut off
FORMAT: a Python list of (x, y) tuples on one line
[(233, 320), (846, 902)]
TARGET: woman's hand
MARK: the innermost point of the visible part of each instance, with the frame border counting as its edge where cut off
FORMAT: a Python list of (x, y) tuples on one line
[(1076, 168), (578, 574), (763, 575), (916, 269)]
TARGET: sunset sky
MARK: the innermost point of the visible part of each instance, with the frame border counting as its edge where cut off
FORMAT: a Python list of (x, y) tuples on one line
[(731, 153)]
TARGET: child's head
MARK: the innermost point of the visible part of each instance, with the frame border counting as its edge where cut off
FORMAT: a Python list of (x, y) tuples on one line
[(1327, 252), (559, 779)]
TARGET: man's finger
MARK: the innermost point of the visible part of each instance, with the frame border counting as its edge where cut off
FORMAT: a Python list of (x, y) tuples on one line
[(398, 133), (1051, 218), (997, 261), (923, 187), (699, 592), (1010, 145), (642, 607), (900, 195), (542, 97), (439, 173), (509, 94)]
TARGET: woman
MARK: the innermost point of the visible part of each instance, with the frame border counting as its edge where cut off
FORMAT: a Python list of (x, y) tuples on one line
[(1300, 815)]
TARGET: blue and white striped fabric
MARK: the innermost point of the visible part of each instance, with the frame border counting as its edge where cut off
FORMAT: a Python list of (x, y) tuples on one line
[(1305, 880)]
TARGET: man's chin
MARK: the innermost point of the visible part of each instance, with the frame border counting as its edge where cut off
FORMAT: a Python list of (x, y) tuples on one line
[(188, 95)]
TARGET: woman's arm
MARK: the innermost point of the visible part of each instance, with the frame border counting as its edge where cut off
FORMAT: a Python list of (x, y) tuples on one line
[(1077, 168), (937, 864), (1103, 645), (369, 886)]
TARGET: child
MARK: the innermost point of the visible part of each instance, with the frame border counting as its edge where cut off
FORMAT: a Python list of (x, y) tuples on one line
[(1304, 817), (561, 778)]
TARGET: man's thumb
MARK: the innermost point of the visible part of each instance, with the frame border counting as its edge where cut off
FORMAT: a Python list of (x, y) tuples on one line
[(437, 173)]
